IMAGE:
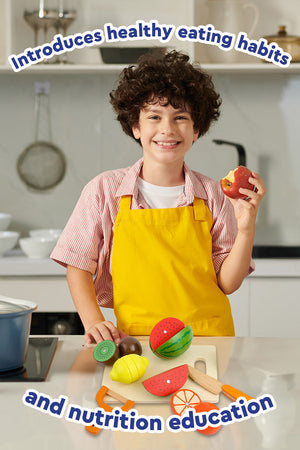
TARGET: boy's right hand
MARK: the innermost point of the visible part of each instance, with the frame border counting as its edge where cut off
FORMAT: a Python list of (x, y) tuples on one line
[(103, 331)]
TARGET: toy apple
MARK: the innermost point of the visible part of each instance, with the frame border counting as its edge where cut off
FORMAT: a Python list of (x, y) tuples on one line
[(235, 180)]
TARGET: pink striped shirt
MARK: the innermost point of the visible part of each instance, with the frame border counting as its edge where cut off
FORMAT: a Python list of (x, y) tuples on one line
[(87, 239)]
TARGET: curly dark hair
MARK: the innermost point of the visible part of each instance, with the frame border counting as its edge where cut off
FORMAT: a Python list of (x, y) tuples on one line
[(170, 79)]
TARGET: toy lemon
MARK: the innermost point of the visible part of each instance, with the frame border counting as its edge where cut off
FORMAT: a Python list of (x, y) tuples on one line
[(129, 368)]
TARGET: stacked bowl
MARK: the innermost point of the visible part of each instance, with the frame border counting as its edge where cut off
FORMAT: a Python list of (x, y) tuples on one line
[(40, 243), (8, 239)]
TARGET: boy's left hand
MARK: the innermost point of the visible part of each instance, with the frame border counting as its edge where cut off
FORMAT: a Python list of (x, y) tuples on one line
[(246, 210)]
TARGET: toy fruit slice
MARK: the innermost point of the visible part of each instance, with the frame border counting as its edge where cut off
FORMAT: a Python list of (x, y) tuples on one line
[(106, 352), (177, 344), (164, 330), (184, 399), (168, 382)]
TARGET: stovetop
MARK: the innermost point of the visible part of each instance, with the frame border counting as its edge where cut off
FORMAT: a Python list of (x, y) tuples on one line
[(38, 360)]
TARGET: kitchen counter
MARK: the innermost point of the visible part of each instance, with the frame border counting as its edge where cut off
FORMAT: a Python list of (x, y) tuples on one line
[(253, 365), (15, 263)]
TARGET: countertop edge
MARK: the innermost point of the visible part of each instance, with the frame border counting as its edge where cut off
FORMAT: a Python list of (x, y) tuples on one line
[(16, 265)]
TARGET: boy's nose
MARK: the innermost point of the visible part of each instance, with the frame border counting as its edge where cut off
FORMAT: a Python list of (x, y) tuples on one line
[(166, 127)]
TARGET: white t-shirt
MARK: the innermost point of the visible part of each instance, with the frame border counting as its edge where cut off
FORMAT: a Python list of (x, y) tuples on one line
[(159, 196)]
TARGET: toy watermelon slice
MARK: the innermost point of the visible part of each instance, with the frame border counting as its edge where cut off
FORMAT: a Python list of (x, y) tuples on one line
[(168, 382), (164, 330), (170, 338), (177, 344)]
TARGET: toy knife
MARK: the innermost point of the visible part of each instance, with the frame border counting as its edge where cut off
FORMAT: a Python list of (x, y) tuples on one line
[(215, 386)]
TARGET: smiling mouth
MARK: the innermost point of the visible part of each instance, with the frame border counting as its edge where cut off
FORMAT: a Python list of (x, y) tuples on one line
[(167, 144)]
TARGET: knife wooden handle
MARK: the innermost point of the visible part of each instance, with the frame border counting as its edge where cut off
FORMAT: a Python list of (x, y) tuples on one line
[(207, 382)]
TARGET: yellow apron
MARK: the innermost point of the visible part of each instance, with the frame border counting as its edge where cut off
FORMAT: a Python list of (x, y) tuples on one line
[(162, 267)]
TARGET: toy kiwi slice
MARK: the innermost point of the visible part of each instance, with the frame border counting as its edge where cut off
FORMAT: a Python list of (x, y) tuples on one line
[(106, 352)]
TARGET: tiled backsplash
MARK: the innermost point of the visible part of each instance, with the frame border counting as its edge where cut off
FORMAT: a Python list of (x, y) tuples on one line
[(259, 111)]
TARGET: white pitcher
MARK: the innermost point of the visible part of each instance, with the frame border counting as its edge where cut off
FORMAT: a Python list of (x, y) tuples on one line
[(230, 16)]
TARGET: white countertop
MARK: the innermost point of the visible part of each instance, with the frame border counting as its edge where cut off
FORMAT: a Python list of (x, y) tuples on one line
[(15, 263), (281, 267), (256, 366)]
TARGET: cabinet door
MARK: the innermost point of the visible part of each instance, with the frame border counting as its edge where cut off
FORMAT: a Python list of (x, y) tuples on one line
[(239, 302), (274, 307), (51, 294)]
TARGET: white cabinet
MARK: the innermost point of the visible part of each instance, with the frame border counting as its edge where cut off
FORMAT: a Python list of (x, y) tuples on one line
[(239, 302), (262, 307), (51, 293), (267, 307), (274, 307)]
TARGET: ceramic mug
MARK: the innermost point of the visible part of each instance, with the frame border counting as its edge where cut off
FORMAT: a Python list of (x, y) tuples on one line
[(230, 16)]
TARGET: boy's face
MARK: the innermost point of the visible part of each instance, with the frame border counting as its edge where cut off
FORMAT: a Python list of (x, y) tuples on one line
[(166, 134)]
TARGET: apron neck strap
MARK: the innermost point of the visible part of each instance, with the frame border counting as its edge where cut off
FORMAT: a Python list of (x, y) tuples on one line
[(200, 209), (125, 203)]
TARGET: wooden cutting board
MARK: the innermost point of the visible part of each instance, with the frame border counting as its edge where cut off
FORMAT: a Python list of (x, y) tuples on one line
[(136, 391)]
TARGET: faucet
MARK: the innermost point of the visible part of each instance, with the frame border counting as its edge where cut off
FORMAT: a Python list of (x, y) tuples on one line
[(240, 149)]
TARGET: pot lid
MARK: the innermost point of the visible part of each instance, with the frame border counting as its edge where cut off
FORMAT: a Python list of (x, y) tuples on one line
[(7, 307), (282, 35)]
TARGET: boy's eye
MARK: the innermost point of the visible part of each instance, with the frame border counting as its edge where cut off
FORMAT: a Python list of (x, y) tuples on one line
[(181, 118), (154, 117)]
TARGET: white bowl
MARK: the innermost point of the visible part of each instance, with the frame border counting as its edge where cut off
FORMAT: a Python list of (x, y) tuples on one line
[(5, 220), (37, 247), (8, 240), (46, 233)]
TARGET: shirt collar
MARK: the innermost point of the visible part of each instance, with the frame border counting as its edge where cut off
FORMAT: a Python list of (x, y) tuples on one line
[(192, 187), (129, 184)]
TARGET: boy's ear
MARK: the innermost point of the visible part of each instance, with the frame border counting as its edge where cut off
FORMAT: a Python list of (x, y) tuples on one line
[(136, 131), (196, 135)]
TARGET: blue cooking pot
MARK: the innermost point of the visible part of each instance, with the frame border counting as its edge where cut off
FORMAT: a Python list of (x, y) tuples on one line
[(15, 321)]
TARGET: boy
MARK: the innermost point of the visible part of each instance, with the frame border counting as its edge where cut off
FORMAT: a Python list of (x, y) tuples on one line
[(157, 239)]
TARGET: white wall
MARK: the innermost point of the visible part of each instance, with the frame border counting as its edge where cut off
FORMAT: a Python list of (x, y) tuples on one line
[(259, 111)]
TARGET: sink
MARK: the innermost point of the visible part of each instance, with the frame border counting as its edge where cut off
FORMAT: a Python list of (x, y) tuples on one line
[(275, 251)]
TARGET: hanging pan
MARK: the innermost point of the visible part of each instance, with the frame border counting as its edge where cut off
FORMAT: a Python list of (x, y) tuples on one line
[(42, 165)]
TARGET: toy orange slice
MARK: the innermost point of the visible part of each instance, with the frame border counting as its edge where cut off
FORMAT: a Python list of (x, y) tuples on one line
[(184, 399)]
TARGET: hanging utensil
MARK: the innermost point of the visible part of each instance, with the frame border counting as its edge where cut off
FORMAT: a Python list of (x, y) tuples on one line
[(42, 165)]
